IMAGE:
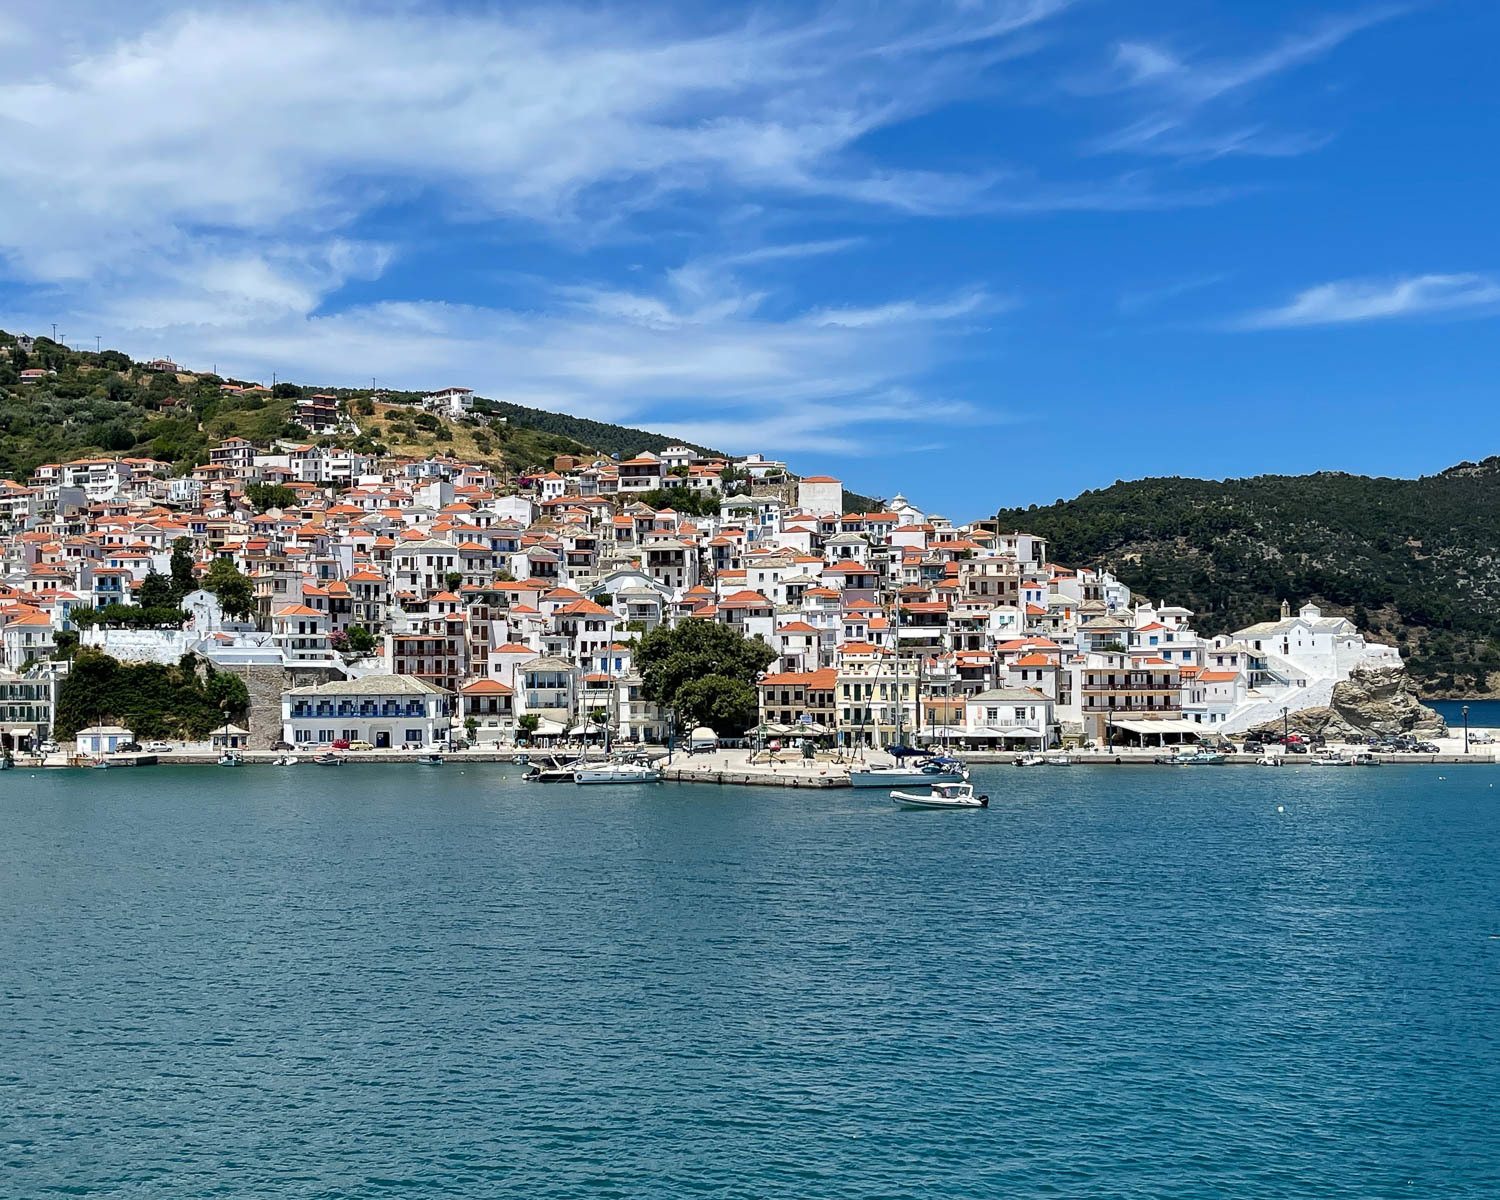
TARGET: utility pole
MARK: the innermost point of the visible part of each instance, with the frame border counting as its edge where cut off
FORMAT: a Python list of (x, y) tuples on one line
[(98, 343), (54, 331)]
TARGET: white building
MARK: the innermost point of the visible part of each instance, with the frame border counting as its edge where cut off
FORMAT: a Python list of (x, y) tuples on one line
[(822, 495), (385, 710), (1009, 715), (453, 402), (102, 739)]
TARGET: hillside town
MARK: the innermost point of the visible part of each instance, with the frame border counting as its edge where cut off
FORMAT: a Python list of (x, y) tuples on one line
[(404, 602)]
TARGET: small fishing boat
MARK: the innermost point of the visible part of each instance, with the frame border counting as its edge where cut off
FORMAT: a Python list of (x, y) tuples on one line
[(617, 773), (1030, 760), (1327, 759), (520, 760), (431, 760), (230, 759), (286, 760), (1057, 760), (329, 760), (1364, 759), (100, 764), (1269, 760), (942, 795)]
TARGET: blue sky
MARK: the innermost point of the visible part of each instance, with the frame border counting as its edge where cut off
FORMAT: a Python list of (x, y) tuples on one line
[(980, 252)]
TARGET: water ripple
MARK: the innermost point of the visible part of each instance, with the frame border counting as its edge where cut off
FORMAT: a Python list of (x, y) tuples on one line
[(394, 983)]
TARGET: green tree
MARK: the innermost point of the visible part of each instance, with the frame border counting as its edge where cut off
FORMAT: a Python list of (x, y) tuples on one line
[(269, 495), (526, 726), (361, 640), (693, 668), (454, 580), (727, 706), (157, 592), (184, 576), (231, 586)]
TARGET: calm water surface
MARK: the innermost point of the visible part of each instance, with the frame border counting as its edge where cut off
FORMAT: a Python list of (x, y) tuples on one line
[(1483, 714), (419, 982)]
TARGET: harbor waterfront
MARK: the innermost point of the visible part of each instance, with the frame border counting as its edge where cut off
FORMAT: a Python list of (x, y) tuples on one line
[(451, 982)]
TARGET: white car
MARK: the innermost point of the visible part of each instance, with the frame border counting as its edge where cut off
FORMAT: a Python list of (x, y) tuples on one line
[(158, 748)]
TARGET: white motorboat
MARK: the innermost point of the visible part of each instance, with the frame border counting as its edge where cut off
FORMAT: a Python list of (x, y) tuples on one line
[(556, 771), (1269, 760), (1194, 758), (1364, 759), (230, 759), (1057, 760), (1327, 759), (1031, 760), (942, 795), (933, 770), (286, 760), (617, 773)]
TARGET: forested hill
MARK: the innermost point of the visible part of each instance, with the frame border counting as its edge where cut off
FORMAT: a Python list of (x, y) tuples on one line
[(600, 435), (88, 402), (1415, 560)]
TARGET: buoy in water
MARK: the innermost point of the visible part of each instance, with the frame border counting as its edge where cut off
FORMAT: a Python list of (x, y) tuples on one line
[(1280, 808)]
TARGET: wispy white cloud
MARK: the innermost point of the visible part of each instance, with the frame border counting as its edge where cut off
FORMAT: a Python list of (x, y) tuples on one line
[(1131, 303), (1177, 93), (1349, 301), (692, 354)]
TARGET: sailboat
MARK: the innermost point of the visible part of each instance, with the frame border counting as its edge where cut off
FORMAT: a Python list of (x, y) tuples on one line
[(931, 769)]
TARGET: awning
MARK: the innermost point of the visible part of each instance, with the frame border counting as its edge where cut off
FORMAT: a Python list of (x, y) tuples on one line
[(1165, 725)]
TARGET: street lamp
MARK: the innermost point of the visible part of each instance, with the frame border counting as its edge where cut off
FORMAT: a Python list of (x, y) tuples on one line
[(1284, 712), (1465, 712)]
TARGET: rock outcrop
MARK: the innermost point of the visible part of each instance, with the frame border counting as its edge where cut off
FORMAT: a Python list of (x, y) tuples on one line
[(1373, 700)]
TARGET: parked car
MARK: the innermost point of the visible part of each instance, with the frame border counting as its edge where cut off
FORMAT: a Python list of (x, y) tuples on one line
[(1296, 748), (158, 748), (361, 745), (340, 743), (129, 747), (280, 745), (1254, 747), (1427, 748)]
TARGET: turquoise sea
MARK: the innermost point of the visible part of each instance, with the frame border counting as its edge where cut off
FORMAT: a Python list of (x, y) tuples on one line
[(422, 982)]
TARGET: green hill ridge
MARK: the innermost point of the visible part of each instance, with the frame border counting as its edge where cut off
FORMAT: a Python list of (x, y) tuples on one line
[(1417, 561)]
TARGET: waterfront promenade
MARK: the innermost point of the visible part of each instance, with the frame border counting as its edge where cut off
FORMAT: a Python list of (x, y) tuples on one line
[(787, 768)]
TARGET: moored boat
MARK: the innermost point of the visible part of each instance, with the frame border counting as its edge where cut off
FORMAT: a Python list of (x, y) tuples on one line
[(431, 760), (1328, 759), (934, 770), (1364, 759), (230, 759), (329, 760), (617, 773), (1196, 758), (1030, 760), (942, 795), (554, 770)]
